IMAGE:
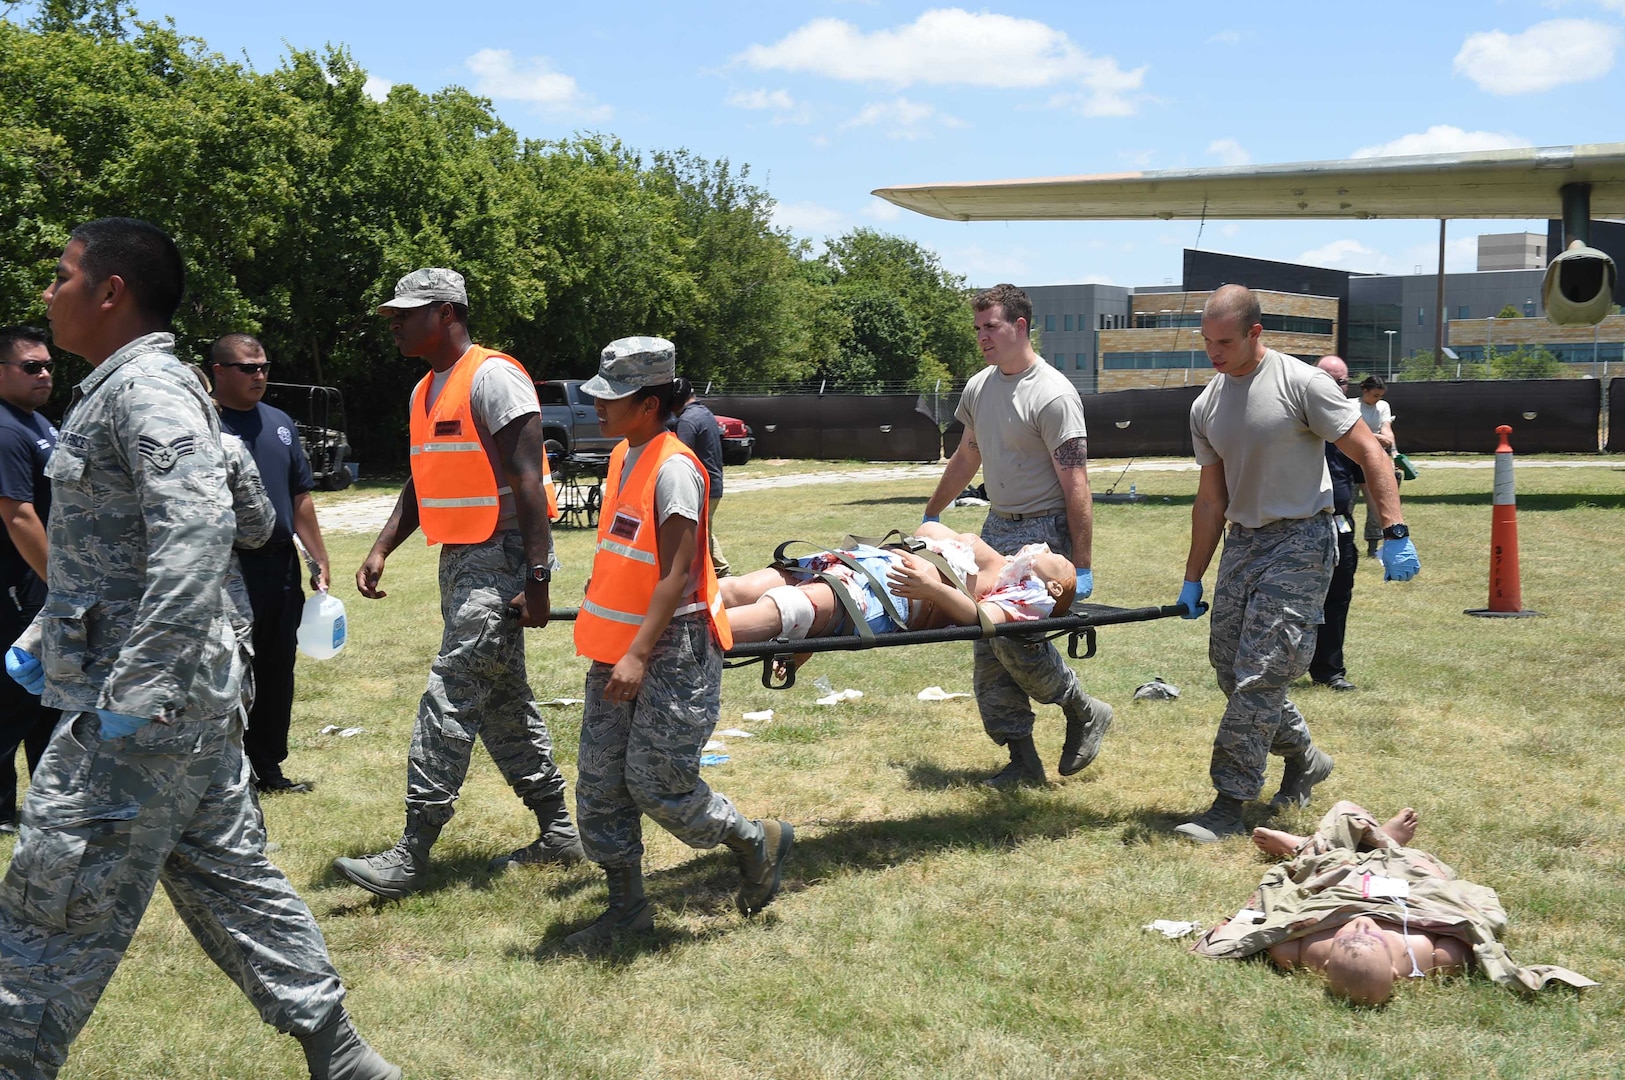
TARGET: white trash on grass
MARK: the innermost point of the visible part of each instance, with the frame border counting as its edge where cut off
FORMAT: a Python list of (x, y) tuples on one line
[(1171, 929), (937, 693)]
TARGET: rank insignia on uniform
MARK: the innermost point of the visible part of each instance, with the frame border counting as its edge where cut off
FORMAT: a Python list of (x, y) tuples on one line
[(164, 456)]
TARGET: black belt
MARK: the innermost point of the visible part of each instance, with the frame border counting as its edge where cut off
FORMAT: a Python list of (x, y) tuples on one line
[(1026, 517)]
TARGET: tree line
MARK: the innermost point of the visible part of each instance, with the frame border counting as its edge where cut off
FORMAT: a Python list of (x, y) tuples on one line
[(298, 201)]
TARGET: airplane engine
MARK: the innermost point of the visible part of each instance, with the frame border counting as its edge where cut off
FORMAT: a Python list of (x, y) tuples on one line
[(1578, 289)]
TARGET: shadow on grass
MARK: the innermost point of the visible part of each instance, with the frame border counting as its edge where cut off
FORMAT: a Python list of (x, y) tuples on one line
[(471, 870), (890, 500), (1527, 503)]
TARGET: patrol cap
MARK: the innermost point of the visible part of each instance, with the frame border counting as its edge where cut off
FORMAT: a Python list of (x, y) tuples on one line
[(431, 285), (629, 364)]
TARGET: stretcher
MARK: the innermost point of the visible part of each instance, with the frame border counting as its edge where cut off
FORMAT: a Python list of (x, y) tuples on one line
[(1078, 626)]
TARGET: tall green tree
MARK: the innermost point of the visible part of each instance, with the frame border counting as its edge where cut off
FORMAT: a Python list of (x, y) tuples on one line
[(866, 262)]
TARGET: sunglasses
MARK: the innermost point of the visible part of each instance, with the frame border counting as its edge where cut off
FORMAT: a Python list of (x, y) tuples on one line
[(32, 367), (250, 369)]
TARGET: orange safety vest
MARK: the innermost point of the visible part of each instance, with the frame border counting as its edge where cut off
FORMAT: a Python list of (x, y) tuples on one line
[(457, 491), (626, 564)]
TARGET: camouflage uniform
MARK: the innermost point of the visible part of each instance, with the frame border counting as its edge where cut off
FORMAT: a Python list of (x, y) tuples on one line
[(478, 688), (1266, 608), (643, 756), (1012, 672), (136, 623), (256, 517)]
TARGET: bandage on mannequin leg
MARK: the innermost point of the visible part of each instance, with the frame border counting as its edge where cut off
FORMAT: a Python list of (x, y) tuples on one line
[(795, 611)]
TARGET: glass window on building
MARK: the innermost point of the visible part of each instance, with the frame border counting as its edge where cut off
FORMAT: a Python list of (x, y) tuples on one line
[(1049, 323), (1421, 316), (1066, 323), (1462, 312)]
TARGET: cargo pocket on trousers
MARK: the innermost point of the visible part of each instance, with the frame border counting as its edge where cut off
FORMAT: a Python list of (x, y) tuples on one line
[(65, 876)]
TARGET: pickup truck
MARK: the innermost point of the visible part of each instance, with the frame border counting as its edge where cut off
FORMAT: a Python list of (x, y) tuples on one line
[(568, 419)]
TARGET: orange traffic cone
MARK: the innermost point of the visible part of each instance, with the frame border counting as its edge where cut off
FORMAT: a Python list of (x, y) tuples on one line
[(1506, 589)]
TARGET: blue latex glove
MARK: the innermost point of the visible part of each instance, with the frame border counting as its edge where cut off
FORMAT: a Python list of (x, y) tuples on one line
[(1399, 561), (931, 517), (25, 669), (1190, 598), (116, 725), (1086, 584)]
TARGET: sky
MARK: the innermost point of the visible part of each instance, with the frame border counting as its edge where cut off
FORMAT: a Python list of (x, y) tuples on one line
[(825, 101)]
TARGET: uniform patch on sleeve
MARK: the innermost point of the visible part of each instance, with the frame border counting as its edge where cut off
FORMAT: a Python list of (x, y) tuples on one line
[(165, 456)]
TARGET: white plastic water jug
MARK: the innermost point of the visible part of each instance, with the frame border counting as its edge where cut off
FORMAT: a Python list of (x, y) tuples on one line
[(321, 627)]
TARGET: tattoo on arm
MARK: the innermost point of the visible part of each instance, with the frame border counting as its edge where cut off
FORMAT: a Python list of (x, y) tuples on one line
[(1073, 452), (973, 445)]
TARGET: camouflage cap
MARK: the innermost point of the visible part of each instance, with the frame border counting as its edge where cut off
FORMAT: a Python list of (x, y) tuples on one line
[(431, 285), (629, 364)]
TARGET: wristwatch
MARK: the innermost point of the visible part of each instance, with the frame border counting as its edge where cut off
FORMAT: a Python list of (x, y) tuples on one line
[(540, 573), (1396, 532)]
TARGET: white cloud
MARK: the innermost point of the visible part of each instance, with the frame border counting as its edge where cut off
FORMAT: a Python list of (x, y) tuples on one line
[(1229, 152), (1460, 255), (497, 74), (1140, 159), (1229, 229), (881, 210), (1346, 255), (953, 47), (902, 118), (809, 218), (982, 266), (1616, 6), (778, 100), (1547, 54), (376, 88), (1443, 139), (1226, 37)]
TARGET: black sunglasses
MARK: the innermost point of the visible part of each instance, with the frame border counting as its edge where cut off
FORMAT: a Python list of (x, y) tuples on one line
[(32, 367), (250, 369)]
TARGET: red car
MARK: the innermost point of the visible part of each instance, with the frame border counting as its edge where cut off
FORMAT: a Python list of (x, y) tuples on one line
[(738, 443)]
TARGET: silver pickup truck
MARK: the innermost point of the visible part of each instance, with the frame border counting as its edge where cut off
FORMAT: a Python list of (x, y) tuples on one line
[(568, 420)]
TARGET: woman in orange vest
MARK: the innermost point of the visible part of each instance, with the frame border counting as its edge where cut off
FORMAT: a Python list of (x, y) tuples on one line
[(653, 625)]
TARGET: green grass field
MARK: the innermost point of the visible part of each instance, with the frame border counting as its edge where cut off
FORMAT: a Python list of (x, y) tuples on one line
[(932, 928)]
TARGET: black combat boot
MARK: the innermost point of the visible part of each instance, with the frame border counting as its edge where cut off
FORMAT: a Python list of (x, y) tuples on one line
[(1222, 819), (628, 911), (558, 841), (1025, 768)]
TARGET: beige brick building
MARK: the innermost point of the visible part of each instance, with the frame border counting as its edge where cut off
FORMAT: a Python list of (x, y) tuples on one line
[(1163, 344), (1585, 350)]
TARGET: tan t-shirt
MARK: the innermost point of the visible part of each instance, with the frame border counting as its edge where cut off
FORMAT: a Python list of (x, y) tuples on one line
[(499, 395), (1018, 422), (1270, 428)]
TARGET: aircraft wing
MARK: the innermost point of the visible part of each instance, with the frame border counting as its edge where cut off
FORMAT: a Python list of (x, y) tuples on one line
[(1521, 183)]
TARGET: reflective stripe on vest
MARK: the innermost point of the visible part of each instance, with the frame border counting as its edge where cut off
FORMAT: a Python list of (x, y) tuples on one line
[(458, 497), (626, 565)]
